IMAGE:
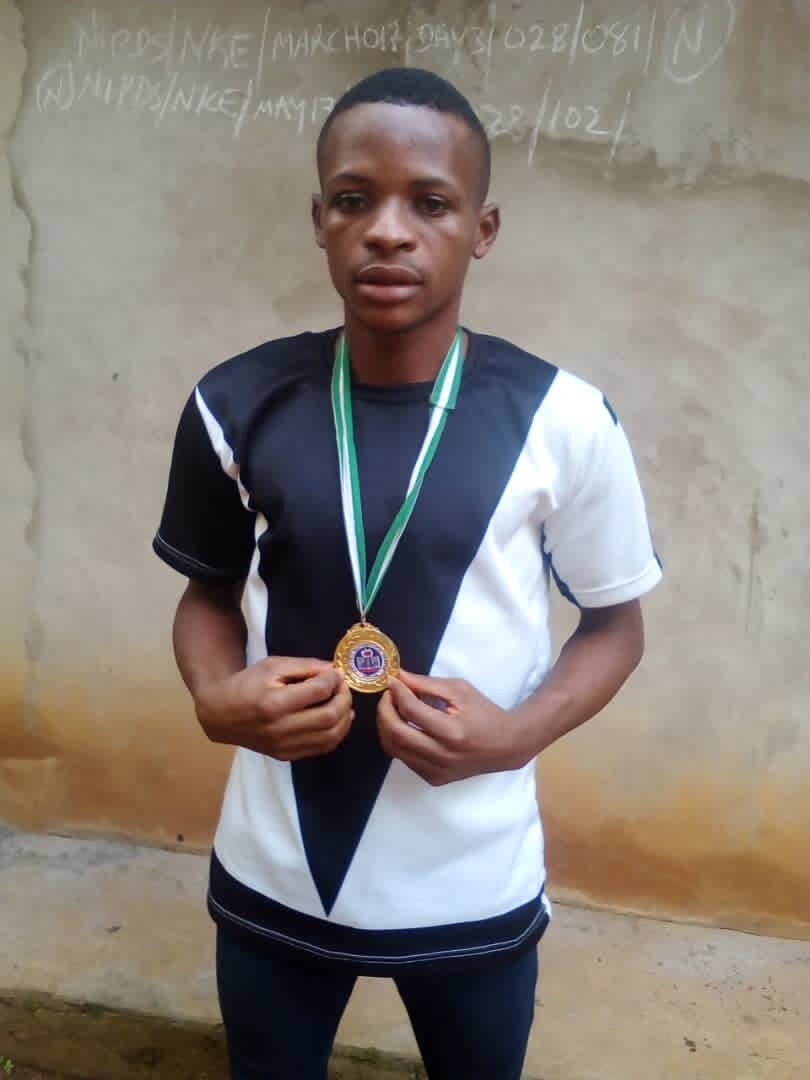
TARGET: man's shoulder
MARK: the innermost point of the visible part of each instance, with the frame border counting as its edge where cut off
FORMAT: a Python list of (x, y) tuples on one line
[(266, 366), (565, 394), (498, 355)]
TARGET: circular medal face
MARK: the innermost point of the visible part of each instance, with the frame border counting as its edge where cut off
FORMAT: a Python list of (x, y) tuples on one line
[(367, 658)]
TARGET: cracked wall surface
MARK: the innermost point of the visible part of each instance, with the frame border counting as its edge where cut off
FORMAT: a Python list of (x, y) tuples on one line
[(653, 167), (20, 772)]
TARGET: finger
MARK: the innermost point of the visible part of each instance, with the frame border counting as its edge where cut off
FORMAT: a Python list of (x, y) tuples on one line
[(338, 706), (343, 726), (435, 722), (291, 669), (289, 740), (316, 719), (402, 740), (428, 686), (387, 720), (431, 770), (294, 697), (343, 694), (297, 751), (312, 744), (428, 772)]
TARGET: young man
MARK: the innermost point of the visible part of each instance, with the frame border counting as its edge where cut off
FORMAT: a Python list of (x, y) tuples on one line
[(394, 833)]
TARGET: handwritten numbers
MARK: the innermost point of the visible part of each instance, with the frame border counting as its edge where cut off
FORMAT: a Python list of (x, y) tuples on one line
[(559, 117), (594, 39), (559, 37), (538, 33), (618, 34), (514, 38), (177, 67)]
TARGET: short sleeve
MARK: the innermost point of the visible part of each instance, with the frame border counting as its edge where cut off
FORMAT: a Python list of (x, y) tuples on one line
[(597, 539), (207, 528)]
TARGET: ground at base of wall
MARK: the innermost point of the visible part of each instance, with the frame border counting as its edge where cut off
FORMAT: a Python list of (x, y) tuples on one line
[(121, 932), (17, 1073), (20, 1072), (83, 1042)]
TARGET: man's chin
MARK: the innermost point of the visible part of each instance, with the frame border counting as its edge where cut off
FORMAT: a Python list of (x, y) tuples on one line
[(391, 319)]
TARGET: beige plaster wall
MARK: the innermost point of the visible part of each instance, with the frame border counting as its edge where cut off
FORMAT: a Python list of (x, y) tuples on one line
[(22, 761), (653, 165)]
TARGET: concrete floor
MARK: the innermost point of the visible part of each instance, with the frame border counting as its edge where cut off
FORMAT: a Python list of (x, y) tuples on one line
[(620, 998)]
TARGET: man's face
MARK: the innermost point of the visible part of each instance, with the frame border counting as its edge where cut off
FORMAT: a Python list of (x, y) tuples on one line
[(400, 213)]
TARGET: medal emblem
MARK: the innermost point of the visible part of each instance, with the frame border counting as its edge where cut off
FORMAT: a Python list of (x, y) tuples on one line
[(367, 658)]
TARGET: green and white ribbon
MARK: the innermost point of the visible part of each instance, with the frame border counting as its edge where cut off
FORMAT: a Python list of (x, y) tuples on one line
[(442, 400)]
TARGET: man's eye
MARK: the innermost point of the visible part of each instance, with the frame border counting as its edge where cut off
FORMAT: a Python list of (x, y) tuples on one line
[(349, 202), (433, 205)]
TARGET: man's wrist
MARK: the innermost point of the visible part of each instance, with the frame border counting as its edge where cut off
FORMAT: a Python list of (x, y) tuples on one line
[(208, 692), (541, 719)]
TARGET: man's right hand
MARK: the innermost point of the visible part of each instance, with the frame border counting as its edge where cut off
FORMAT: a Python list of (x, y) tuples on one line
[(285, 707)]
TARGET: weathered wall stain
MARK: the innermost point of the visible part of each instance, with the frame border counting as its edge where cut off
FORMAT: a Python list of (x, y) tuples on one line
[(17, 564), (677, 855), (674, 855), (114, 767)]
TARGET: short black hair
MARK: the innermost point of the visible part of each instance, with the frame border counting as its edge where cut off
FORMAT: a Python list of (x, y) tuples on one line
[(413, 86)]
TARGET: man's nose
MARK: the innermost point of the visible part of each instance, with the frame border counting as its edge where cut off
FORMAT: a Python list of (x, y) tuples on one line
[(390, 228)]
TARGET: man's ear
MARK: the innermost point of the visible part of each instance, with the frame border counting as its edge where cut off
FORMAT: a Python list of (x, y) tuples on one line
[(317, 222), (489, 222)]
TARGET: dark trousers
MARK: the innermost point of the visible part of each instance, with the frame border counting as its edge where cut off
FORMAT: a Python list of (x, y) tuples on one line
[(281, 1012)]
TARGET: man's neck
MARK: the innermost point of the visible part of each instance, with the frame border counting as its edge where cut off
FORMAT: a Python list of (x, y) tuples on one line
[(409, 356)]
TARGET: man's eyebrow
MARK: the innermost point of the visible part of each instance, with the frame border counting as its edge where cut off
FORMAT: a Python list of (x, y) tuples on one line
[(433, 181), (349, 178)]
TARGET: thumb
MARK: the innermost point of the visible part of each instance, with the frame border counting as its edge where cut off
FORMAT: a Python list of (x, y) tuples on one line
[(439, 693)]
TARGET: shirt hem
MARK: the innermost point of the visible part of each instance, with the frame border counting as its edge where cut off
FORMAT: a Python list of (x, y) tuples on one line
[(625, 591), (189, 566), (265, 924)]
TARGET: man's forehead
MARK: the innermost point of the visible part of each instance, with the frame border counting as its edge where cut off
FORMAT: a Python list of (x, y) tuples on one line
[(399, 128)]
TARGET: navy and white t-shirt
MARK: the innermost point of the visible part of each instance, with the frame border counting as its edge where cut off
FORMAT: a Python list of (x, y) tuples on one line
[(350, 856)]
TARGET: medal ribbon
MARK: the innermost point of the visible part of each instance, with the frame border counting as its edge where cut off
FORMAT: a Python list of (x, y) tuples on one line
[(442, 401)]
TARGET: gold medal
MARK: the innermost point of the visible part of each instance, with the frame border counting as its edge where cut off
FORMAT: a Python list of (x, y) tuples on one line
[(367, 658)]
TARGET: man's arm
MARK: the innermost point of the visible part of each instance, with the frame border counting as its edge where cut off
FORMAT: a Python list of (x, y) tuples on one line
[(209, 634), (285, 707), (593, 665), (470, 735)]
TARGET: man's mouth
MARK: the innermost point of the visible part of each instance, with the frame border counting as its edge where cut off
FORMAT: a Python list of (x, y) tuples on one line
[(387, 284), (383, 274)]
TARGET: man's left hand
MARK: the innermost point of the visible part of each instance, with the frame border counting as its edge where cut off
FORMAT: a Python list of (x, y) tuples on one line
[(461, 734)]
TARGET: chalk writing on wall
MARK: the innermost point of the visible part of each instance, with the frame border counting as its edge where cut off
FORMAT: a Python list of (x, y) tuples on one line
[(555, 114), (208, 70)]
